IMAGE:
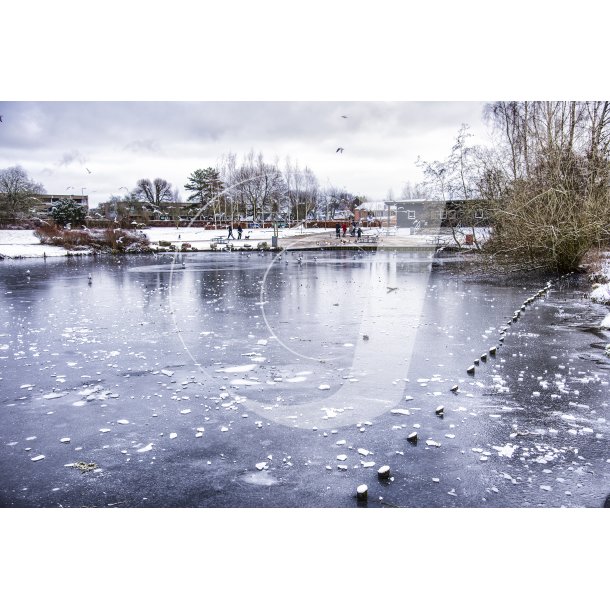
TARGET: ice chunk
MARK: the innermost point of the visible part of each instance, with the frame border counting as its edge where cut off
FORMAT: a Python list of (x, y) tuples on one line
[(166, 372), (37, 458), (244, 368), (145, 449), (122, 421), (66, 439), (261, 465), (173, 435), (52, 395), (432, 443), (342, 457), (323, 386), (401, 411), (506, 450)]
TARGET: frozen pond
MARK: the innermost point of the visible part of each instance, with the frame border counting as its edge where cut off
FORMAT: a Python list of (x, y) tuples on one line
[(244, 380)]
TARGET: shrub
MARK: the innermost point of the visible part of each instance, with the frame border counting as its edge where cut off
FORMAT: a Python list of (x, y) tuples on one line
[(67, 212), (116, 240)]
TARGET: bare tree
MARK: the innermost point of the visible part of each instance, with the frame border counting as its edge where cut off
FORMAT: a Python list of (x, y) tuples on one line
[(457, 181), (555, 157), (156, 193), (415, 191), (17, 191), (260, 187)]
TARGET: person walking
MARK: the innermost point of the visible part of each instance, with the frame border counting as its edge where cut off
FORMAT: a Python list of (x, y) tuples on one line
[(359, 232), (230, 235), (344, 229), (239, 231), (338, 230)]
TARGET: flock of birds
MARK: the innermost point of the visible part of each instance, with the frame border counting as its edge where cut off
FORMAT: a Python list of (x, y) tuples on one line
[(340, 149)]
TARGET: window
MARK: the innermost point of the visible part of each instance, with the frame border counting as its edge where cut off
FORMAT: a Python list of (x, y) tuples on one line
[(442, 214), (478, 213), (411, 214)]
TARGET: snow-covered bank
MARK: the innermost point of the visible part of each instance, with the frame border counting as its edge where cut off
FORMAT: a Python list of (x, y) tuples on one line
[(601, 290), (22, 243)]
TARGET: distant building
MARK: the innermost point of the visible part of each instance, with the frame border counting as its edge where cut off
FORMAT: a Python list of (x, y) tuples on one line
[(40, 206), (374, 210), (422, 213), (342, 215), (143, 212)]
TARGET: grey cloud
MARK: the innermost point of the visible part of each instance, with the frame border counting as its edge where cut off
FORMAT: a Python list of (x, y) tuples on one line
[(71, 157), (123, 141), (139, 146)]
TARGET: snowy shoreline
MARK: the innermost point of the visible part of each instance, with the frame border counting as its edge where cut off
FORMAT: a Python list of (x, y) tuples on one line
[(22, 243), (600, 292)]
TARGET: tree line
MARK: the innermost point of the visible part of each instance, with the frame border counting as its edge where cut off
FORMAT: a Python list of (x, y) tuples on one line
[(544, 181), (252, 188)]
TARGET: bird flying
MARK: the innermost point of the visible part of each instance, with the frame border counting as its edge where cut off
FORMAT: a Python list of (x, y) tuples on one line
[(88, 170), (343, 116), (339, 150)]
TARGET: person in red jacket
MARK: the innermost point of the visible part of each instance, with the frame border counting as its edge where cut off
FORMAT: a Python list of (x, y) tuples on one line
[(344, 229)]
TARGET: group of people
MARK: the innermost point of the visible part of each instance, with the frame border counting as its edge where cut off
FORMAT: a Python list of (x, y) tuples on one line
[(355, 230), (239, 232)]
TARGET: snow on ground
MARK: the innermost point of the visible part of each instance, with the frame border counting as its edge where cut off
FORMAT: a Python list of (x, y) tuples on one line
[(23, 243), (601, 294), (194, 235)]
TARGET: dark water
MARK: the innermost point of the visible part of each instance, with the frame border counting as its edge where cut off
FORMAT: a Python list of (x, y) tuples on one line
[(273, 374)]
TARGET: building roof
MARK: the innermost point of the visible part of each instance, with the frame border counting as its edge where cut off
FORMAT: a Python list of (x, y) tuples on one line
[(372, 206)]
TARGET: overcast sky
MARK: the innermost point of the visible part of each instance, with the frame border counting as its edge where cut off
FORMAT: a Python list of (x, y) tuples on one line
[(121, 142)]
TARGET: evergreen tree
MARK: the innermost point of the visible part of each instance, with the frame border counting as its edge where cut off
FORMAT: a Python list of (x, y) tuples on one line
[(204, 185), (68, 212)]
